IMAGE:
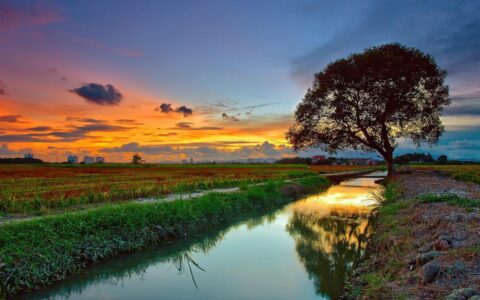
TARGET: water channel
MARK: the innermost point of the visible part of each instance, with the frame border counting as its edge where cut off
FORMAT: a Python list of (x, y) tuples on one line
[(300, 251)]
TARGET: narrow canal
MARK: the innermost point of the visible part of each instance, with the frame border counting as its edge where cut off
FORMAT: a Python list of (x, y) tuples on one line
[(301, 251)]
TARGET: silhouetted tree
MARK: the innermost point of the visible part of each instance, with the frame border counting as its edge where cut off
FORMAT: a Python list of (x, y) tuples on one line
[(137, 159), (442, 159), (414, 157), (294, 160), (368, 100)]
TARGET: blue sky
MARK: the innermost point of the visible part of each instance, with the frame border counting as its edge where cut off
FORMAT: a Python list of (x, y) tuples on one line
[(250, 60)]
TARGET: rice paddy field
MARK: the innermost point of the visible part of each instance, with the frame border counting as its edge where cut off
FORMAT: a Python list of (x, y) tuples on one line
[(325, 169), (470, 173), (38, 189)]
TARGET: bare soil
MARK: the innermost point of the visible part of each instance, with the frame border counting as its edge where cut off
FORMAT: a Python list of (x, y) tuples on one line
[(418, 182)]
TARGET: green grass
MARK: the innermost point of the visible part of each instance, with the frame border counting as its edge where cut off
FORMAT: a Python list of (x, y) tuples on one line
[(451, 199), (375, 283), (372, 285), (38, 252)]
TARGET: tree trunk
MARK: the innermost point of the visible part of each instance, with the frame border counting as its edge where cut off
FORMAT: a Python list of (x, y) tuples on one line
[(390, 168)]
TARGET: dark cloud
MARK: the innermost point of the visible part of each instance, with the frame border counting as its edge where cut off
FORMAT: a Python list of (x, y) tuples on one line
[(230, 117), (464, 104), (99, 94), (447, 30), (39, 128), (168, 134), (472, 96), (167, 108), (189, 126), (184, 110), (85, 120), (10, 118), (128, 122), (21, 138), (73, 133), (3, 88), (164, 107), (184, 125), (81, 132)]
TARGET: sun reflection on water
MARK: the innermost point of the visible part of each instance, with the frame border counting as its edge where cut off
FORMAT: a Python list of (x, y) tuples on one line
[(331, 231), (339, 198)]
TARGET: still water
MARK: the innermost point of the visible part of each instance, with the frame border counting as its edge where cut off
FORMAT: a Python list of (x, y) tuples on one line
[(301, 251)]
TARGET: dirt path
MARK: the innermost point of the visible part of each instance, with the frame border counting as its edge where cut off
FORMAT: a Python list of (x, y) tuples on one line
[(425, 250), (186, 196)]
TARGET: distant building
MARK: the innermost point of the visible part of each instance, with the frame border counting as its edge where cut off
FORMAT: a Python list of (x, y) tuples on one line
[(89, 160), (28, 155), (372, 162), (184, 161), (99, 159), (72, 159), (191, 160), (318, 159), (357, 161)]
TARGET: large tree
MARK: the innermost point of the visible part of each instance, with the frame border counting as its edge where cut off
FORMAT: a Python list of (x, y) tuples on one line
[(369, 100)]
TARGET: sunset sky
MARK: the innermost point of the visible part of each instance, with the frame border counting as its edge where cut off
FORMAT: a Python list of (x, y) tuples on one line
[(212, 80)]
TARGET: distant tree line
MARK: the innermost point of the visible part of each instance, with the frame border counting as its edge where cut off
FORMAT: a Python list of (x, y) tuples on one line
[(308, 161), (295, 160), (427, 158), (21, 160)]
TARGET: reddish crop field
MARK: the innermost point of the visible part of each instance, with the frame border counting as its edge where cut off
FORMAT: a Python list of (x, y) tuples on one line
[(40, 188), (27, 189), (325, 169)]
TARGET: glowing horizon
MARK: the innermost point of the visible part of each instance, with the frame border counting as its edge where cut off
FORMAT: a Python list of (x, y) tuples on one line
[(90, 78)]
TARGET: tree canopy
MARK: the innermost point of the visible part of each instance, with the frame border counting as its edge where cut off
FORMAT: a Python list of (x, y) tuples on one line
[(137, 159), (369, 100), (414, 157)]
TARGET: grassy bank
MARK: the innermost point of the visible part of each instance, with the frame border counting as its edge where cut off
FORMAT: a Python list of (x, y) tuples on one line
[(370, 278), (39, 252)]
